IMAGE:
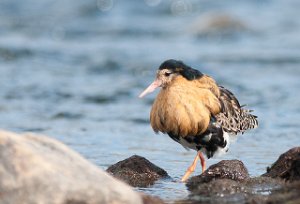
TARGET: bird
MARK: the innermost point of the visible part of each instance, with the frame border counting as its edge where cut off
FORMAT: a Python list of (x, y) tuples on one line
[(196, 112)]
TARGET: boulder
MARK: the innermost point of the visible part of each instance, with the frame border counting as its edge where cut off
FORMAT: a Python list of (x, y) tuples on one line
[(36, 169), (225, 169), (137, 171), (287, 166)]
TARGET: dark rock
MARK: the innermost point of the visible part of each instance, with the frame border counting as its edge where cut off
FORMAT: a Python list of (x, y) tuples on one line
[(218, 187), (37, 169), (137, 171), (289, 193), (225, 169), (287, 166), (251, 190), (229, 182)]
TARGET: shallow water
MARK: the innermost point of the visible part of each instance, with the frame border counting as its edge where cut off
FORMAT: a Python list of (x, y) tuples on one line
[(73, 70)]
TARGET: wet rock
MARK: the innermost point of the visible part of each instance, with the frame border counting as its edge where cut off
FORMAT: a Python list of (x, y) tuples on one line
[(36, 169), (289, 193), (137, 171), (218, 187), (287, 166), (225, 169), (229, 182), (251, 190)]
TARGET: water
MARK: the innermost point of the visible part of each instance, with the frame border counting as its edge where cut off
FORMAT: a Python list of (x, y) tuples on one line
[(73, 70)]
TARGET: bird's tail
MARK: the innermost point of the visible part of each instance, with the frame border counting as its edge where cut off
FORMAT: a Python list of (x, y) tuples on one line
[(248, 121)]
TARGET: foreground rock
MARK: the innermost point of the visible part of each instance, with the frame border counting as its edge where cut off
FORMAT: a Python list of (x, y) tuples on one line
[(251, 190), (229, 182), (137, 171), (287, 166), (37, 169), (226, 169)]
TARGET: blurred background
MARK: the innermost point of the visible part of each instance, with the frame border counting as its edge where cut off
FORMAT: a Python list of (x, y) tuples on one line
[(73, 70)]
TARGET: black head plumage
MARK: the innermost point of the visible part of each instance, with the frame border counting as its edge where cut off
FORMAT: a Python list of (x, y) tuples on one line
[(179, 67)]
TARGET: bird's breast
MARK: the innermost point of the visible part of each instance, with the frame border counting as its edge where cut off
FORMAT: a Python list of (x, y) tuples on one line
[(181, 110)]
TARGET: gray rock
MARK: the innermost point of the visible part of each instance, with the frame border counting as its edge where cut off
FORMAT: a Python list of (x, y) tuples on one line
[(35, 169), (287, 166), (137, 171)]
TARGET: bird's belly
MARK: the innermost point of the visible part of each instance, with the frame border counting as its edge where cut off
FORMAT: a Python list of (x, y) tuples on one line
[(188, 145), (179, 113)]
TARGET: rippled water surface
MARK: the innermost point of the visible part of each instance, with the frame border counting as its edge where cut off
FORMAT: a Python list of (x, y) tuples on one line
[(73, 70)]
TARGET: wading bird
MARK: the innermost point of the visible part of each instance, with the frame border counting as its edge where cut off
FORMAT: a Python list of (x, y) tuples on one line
[(195, 111)]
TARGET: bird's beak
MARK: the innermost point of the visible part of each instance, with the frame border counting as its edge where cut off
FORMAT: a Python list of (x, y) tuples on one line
[(151, 88)]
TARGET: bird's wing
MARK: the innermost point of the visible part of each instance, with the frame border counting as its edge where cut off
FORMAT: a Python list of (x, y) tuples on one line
[(233, 117)]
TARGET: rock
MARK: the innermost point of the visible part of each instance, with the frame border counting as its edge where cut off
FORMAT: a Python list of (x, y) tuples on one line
[(225, 169), (229, 182), (218, 187), (36, 169), (213, 25), (287, 166), (289, 193), (251, 190), (137, 171)]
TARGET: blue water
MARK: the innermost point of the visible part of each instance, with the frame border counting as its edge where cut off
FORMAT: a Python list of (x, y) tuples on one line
[(73, 70)]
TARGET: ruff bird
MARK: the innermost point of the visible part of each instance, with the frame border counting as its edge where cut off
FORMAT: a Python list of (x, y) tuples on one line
[(196, 112)]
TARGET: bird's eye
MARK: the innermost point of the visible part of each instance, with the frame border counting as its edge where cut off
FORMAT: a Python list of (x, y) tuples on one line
[(168, 74)]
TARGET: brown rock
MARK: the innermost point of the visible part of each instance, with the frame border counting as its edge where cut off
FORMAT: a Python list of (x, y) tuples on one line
[(287, 166), (137, 171), (36, 169), (225, 169)]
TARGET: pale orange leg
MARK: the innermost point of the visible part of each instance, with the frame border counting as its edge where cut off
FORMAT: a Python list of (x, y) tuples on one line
[(191, 169), (203, 162)]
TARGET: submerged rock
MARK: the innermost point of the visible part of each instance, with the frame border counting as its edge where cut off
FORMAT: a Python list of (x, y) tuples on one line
[(287, 166), (137, 171), (225, 169), (213, 25), (36, 169)]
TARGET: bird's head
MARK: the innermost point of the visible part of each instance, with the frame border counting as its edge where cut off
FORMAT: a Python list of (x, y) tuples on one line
[(168, 71)]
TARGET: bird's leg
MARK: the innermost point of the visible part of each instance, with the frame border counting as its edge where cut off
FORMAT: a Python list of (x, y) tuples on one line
[(203, 162), (192, 168)]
